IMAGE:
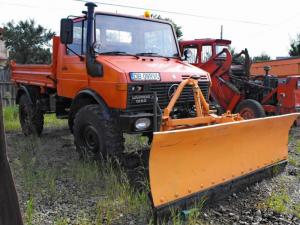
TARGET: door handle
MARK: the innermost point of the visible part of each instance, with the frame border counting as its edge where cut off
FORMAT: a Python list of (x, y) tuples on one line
[(64, 68)]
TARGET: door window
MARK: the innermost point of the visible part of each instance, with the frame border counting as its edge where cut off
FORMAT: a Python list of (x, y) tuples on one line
[(206, 53), (79, 38), (193, 59)]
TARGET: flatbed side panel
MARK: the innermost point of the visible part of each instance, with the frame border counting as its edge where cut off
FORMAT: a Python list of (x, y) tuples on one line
[(188, 161), (37, 74), (40, 75)]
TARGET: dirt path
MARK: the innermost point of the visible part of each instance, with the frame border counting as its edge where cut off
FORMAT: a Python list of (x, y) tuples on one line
[(56, 188)]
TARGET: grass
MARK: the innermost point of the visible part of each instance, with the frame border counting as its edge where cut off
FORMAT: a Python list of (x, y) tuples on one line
[(296, 211), (62, 221), (36, 178), (191, 216), (121, 198), (291, 138), (278, 201), (110, 181), (293, 160), (135, 142), (29, 212), (105, 182), (11, 119), (298, 147)]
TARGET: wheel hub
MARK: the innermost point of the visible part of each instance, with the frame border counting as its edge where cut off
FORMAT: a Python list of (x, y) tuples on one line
[(247, 113), (91, 138)]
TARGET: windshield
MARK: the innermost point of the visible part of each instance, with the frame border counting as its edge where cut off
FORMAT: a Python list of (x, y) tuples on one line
[(220, 48), (116, 34)]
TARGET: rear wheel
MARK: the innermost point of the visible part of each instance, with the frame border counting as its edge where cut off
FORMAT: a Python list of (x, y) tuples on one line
[(30, 116), (97, 134), (250, 109)]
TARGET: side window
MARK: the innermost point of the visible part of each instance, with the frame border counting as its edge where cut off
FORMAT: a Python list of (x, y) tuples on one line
[(193, 59), (79, 38), (206, 53)]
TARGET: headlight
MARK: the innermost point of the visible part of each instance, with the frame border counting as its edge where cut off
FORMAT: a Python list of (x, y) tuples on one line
[(298, 84), (142, 123), (144, 76)]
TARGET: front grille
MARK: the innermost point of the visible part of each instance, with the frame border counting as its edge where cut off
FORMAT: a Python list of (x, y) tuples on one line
[(162, 90)]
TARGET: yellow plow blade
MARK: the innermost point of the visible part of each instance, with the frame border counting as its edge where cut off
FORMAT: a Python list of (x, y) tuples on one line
[(189, 161)]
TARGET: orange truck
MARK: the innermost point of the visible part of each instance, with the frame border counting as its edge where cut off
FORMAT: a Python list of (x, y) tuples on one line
[(113, 74), (280, 67)]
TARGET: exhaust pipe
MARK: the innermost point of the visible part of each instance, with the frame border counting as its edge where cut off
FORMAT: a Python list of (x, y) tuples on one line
[(94, 68)]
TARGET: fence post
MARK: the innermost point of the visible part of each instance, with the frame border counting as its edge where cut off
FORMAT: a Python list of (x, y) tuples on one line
[(7, 88), (9, 206)]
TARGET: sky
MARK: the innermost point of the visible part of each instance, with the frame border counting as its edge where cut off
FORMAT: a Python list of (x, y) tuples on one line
[(261, 26)]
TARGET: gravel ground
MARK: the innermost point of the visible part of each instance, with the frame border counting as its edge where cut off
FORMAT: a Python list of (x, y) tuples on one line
[(54, 187)]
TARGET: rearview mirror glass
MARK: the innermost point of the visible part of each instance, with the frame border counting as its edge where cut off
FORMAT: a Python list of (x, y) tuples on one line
[(97, 47), (66, 31)]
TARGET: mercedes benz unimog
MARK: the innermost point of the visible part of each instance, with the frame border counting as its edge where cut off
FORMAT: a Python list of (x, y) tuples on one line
[(113, 74)]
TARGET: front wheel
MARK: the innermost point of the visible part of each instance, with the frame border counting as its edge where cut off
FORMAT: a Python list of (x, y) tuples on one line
[(96, 133), (250, 109)]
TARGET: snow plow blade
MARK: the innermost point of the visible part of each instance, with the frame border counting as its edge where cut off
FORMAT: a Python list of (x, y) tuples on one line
[(184, 163), (208, 155)]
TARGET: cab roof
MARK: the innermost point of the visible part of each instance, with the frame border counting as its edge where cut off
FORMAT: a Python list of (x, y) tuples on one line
[(207, 41)]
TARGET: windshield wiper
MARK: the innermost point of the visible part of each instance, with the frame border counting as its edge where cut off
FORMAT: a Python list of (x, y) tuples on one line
[(113, 53), (118, 53), (152, 54), (147, 53)]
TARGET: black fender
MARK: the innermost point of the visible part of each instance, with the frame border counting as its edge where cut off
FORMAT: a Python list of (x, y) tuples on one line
[(21, 90), (90, 94)]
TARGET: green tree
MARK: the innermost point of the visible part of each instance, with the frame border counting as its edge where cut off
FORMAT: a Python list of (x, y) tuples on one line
[(261, 58), (27, 42), (177, 28), (295, 46)]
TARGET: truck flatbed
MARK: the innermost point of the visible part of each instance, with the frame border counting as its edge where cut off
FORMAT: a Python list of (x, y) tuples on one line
[(37, 74)]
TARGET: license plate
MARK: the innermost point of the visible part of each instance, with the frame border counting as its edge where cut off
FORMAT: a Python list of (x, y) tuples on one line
[(144, 76)]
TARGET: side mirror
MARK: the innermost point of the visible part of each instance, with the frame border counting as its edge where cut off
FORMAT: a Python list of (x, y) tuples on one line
[(66, 31), (96, 47), (187, 53)]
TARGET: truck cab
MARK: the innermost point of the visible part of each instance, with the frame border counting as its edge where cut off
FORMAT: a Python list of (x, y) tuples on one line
[(202, 50), (135, 57)]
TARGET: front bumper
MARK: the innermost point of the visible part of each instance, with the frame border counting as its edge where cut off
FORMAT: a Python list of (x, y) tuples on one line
[(127, 122)]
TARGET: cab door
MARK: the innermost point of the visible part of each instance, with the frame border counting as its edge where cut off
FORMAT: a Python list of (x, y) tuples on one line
[(72, 75)]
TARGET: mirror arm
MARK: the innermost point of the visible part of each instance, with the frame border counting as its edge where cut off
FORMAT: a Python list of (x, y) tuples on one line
[(80, 56)]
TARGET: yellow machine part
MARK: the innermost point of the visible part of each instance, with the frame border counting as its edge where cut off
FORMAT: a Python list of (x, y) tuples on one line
[(188, 161)]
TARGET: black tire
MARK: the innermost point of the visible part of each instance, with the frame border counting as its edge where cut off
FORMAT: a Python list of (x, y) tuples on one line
[(30, 116), (250, 109), (97, 134), (75, 108)]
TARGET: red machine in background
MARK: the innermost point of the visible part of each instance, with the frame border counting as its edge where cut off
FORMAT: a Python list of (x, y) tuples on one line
[(233, 87)]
